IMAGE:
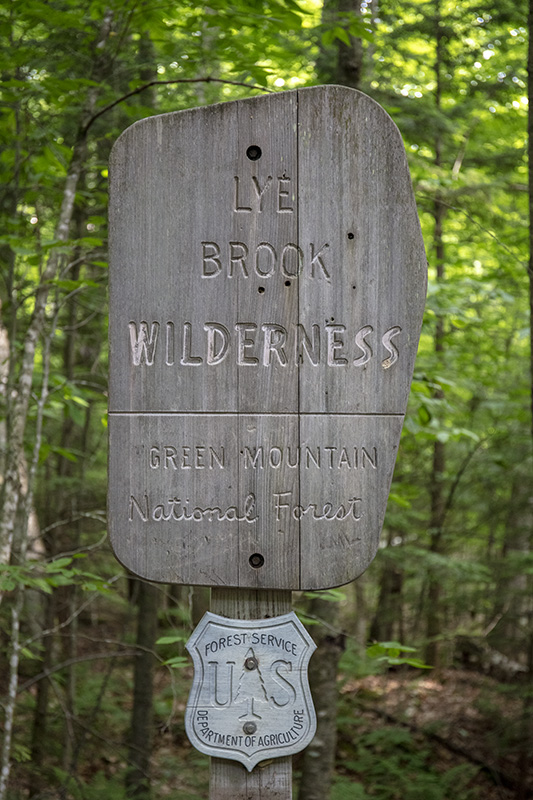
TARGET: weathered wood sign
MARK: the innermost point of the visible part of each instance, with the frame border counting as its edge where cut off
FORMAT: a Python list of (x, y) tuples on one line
[(267, 286)]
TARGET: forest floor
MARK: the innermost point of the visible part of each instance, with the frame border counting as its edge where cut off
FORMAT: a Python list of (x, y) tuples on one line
[(463, 718), (404, 735), (445, 735)]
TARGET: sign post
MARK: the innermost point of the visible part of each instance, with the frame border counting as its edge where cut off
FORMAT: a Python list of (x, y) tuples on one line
[(266, 297)]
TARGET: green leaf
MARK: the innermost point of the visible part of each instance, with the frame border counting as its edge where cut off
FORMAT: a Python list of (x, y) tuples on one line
[(172, 639), (178, 662), (68, 454), (398, 646), (71, 286), (400, 501), (340, 33), (58, 564)]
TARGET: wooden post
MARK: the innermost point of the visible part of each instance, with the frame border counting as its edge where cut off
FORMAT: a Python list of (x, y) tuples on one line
[(271, 779), (268, 280)]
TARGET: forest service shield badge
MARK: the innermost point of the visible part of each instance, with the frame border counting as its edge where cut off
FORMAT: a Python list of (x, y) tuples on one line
[(250, 699)]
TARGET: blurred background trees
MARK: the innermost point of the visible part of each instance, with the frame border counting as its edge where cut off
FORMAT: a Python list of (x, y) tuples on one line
[(453, 577)]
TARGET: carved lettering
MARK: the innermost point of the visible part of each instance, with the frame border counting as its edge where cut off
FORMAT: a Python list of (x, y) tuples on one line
[(169, 360), (316, 457), (211, 264), (325, 512), (175, 509), (253, 459), (275, 456), (317, 261), (303, 342), (389, 345), (218, 338), (214, 684), (237, 253), (239, 259), (261, 190), (248, 199), (292, 260), (188, 358), (371, 459), (237, 206), (312, 458), (363, 345), (284, 195), (244, 343), (335, 343), (274, 340), (143, 343), (278, 673), (265, 260), (249, 344)]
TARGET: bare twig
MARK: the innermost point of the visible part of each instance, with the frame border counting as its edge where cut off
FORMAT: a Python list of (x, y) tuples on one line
[(139, 89), (46, 673), (475, 221)]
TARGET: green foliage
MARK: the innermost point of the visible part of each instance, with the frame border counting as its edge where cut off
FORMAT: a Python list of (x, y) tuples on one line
[(391, 654), (21, 753), (466, 148), (101, 785), (174, 661), (378, 657), (47, 576), (394, 766)]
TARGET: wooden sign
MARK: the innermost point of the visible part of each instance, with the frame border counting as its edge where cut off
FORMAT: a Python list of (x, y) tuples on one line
[(267, 285)]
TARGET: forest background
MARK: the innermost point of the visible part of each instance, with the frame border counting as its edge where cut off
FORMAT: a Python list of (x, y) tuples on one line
[(93, 674)]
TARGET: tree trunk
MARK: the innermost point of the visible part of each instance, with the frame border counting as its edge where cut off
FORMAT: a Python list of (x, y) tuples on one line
[(16, 499), (437, 497), (40, 714), (341, 63), (18, 405), (524, 757), (387, 621), (141, 728), (319, 757), (359, 624)]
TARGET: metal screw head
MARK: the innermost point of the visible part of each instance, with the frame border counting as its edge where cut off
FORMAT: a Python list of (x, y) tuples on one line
[(249, 727), (251, 663)]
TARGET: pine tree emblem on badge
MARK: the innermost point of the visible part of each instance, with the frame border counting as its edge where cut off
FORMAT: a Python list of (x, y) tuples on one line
[(250, 698)]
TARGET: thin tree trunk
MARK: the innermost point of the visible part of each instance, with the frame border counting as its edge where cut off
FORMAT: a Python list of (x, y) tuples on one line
[(17, 502), (20, 545), (138, 784), (524, 758), (386, 623), (67, 536), (17, 409), (40, 714), (359, 626), (530, 178), (319, 757), (340, 64), (141, 728), (437, 497)]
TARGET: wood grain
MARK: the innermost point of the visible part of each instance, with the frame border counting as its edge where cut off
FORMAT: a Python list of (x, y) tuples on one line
[(270, 780), (264, 320)]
